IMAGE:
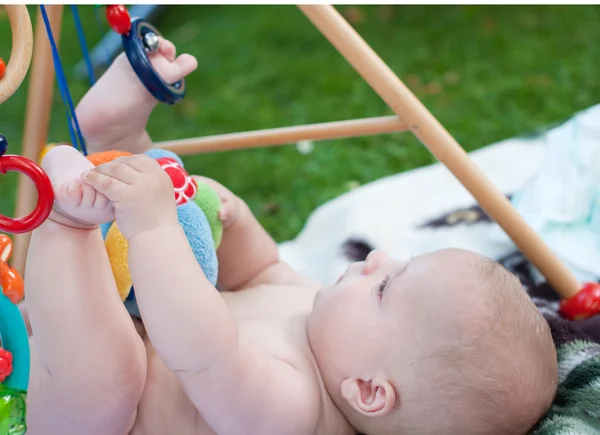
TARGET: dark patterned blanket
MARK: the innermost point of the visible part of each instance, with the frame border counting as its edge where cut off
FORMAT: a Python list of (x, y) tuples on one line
[(576, 409)]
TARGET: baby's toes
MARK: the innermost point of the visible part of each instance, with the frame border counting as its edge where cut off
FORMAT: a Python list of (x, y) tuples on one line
[(69, 194), (167, 49), (101, 202), (81, 203), (88, 195), (230, 210)]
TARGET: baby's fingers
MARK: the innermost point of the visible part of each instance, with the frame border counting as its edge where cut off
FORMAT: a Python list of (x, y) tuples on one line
[(120, 170), (112, 188), (101, 201)]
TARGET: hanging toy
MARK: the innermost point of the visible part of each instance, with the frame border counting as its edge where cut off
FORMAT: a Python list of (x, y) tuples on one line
[(139, 39), (40, 213), (14, 347)]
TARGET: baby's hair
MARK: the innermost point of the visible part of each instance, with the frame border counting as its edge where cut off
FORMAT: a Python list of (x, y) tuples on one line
[(531, 362), (501, 379)]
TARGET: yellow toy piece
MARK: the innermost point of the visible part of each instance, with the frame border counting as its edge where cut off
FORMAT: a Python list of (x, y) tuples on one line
[(45, 151), (117, 248), (115, 242)]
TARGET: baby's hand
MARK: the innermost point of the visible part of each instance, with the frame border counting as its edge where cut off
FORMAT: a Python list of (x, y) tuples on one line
[(140, 191)]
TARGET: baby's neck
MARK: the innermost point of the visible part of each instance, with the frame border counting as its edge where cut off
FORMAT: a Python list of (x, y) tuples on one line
[(331, 420)]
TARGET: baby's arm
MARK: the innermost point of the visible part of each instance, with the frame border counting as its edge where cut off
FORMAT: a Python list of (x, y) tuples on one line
[(236, 390), (88, 363)]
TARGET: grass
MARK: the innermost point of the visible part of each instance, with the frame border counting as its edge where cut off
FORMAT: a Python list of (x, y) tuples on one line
[(486, 72)]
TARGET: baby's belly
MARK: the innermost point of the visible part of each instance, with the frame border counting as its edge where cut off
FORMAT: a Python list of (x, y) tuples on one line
[(164, 408)]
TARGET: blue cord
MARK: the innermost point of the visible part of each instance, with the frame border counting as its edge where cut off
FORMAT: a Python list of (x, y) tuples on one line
[(83, 44), (76, 135)]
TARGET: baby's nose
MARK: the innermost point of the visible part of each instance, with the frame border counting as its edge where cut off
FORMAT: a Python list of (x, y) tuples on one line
[(375, 260)]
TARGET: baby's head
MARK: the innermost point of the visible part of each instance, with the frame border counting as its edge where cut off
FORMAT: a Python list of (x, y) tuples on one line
[(447, 343)]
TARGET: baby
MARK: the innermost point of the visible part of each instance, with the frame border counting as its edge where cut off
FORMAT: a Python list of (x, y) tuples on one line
[(446, 343)]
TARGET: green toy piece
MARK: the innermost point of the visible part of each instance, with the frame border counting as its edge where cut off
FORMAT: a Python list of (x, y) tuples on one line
[(209, 202), (12, 411)]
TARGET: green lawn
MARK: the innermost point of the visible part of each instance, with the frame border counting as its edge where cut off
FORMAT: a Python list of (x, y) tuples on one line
[(486, 72)]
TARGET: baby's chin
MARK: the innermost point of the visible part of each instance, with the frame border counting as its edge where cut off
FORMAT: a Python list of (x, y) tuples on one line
[(322, 294)]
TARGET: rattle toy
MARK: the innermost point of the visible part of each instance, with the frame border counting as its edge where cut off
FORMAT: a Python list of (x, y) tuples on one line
[(43, 207), (12, 77), (14, 341), (197, 209), (140, 38), (14, 347)]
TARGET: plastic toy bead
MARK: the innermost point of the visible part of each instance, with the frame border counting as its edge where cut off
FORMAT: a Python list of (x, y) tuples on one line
[(584, 304), (6, 364), (2, 68), (151, 42), (118, 18), (3, 145), (11, 283)]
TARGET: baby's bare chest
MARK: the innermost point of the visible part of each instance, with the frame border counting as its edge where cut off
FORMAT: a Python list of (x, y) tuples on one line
[(271, 319)]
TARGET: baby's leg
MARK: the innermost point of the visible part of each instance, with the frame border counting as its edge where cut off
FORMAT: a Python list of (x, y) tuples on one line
[(88, 362), (113, 114)]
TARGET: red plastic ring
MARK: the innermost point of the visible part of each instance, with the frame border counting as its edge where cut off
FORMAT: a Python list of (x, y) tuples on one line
[(40, 213)]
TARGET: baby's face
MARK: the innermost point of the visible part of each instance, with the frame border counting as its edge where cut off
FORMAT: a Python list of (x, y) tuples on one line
[(383, 312), (448, 328)]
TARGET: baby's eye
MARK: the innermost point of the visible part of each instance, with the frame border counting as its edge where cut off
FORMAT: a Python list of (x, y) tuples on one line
[(383, 284)]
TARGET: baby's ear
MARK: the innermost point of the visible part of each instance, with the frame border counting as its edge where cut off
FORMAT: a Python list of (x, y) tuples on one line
[(374, 397)]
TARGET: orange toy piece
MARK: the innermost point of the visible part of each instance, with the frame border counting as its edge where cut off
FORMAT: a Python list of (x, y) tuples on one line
[(10, 280), (106, 156), (2, 68)]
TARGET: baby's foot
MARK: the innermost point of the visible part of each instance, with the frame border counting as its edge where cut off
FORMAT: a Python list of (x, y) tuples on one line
[(113, 114), (230, 203), (75, 203)]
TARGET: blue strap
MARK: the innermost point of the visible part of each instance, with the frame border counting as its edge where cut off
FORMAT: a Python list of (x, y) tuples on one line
[(74, 130), (83, 44)]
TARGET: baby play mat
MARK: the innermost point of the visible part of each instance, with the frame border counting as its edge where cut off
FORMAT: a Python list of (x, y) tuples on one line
[(552, 179)]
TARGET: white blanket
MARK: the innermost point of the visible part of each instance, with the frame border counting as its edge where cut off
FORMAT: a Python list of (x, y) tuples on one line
[(394, 214)]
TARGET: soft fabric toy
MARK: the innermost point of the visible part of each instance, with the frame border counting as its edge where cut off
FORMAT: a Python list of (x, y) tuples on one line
[(197, 209)]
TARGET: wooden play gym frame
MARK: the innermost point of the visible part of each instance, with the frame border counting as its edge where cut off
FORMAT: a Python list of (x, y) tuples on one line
[(412, 115)]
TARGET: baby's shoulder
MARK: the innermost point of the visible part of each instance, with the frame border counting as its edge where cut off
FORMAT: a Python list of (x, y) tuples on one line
[(281, 273)]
